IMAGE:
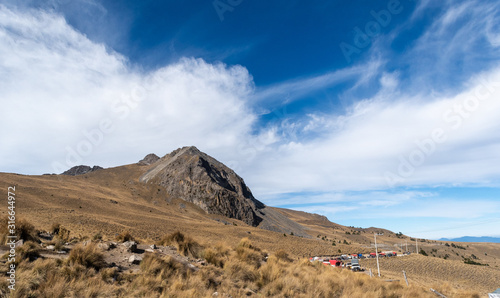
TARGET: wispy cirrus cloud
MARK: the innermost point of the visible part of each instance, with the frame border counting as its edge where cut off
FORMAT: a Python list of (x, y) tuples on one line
[(288, 91)]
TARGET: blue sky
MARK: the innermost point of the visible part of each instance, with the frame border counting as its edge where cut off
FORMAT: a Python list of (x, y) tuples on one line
[(373, 113)]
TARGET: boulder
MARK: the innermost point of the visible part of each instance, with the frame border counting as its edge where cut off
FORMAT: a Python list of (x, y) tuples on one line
[(135, 259), (103, 245), (130, 245)]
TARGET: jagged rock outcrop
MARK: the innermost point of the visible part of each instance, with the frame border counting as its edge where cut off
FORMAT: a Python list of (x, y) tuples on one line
[(149, 159), (194, 176), (80, 170)]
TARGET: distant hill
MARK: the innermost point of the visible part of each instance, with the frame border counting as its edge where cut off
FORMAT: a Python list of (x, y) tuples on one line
[(473, 239), (81, 170)]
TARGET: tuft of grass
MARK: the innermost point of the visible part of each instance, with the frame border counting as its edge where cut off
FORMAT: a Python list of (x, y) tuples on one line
[(24, 230), (97, 236), (282, 255), (210, 255), (249, 254), (88, 256), (62, 234), (125, 236), (54, 229), (186, 246), (29, 251), (240, 271), (162, 267)]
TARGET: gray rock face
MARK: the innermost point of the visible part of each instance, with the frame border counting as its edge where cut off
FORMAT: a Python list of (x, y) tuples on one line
[(134, 259), (193, 176), (149, 159), (130, 245), (80, 170)]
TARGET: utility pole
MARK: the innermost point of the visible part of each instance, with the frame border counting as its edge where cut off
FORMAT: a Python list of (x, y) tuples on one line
[(406, 243), (376, 252), (416, 244)]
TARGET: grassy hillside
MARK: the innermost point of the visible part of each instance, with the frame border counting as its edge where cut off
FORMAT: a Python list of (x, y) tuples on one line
[(108, 202)]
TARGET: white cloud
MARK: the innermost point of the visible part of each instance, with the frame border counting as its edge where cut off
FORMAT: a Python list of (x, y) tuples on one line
[(288, 91), (58, 86), (382, 131)]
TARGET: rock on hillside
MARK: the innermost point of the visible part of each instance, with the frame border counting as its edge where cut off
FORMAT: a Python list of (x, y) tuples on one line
[(80, 170), (149, 159), (196, 177), (193, 176)]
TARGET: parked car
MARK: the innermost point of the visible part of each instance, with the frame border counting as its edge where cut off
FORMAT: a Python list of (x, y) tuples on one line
[(355, 265)]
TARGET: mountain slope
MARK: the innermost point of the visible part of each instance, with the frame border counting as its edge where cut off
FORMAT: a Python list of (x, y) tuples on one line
[(195, 177), (113, 200)]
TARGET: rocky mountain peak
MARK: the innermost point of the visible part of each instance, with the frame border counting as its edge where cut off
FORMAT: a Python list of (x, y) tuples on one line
[(191, 175), (80, 170), (149, 159)]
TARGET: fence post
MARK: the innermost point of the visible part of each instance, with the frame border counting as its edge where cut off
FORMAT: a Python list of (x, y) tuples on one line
[(404, 274), (437, 293)]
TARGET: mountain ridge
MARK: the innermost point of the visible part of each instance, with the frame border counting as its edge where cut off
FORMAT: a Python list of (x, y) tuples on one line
[(483, 239)]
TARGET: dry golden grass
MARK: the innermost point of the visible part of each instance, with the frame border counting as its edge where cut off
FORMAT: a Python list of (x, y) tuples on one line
[(452, 276), (23, 230), (113, 200), (186, 246), (88, 256), (239, 271), (125, 236)]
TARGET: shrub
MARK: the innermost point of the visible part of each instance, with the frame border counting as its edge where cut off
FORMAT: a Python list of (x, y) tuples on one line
[(472, 262), (457, 246)]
